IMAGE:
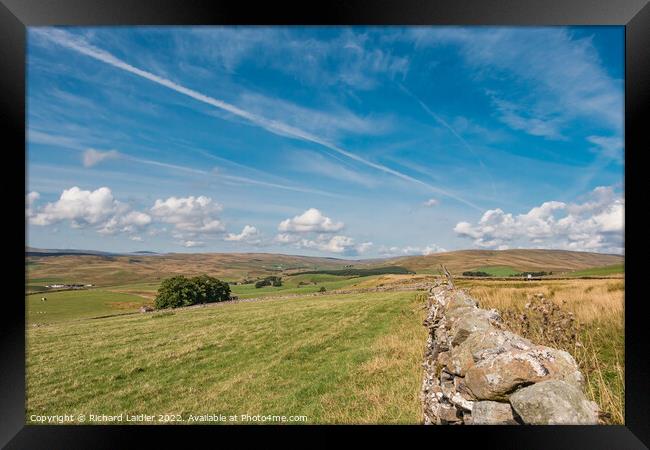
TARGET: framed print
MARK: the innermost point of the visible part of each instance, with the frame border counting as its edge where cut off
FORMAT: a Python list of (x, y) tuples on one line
[(404, 215)]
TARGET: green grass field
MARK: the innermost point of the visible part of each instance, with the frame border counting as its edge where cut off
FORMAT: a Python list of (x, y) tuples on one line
[(74, 305), (291, 285), (333, 358), (498, 271), (120, 299), (616, 269)]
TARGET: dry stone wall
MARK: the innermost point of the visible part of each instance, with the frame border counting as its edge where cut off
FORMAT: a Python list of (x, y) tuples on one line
[(476, 372)]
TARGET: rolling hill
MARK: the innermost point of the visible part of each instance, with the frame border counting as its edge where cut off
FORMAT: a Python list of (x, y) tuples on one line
[(110, 269), (519, 260)]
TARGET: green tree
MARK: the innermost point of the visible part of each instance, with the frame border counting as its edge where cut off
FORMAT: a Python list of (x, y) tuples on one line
[(210, 289), (179, 291), (175, 292)]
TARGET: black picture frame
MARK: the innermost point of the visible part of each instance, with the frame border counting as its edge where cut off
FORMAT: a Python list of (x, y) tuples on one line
[(16, 15)]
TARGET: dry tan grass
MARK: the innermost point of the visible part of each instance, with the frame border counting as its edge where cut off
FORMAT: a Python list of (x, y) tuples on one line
[(583, 317), (589, 300)]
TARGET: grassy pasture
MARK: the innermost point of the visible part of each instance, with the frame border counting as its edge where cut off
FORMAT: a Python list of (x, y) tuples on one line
[(615, 269), (290, 285), (120, 299), (498, 271), (335, 359), (82, 304)]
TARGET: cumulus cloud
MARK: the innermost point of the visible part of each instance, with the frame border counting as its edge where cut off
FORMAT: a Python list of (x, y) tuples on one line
[(311, 220), (335, 244), (431, 202), (84, 208), (126, 223), (364, 247), (313, 230), (92, 157), (249, 234), (597, 224), (79, 206), (287, 238), (190, 244), (189, 215), (30, 200), (410, 250)]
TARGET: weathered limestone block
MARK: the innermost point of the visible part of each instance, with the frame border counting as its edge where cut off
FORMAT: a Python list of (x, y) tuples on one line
[(554, 402), (455, 314), (496, 377), (481, 344), (460, 300), (471, 322), (448, 413), (492, 413)]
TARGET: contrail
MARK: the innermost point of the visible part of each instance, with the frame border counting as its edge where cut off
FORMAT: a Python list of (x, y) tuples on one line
[(79, 45), (444, 123), (233, 178)]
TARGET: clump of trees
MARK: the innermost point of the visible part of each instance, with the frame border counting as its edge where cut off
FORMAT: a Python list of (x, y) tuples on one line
[(476, 274), (269, 281), (180, 291)]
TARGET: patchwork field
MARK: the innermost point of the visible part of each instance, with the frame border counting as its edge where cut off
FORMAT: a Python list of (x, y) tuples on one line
[(116, 270)]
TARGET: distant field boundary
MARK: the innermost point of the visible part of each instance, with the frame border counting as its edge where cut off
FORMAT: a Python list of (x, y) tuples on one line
[(604, 277), (55, 290)]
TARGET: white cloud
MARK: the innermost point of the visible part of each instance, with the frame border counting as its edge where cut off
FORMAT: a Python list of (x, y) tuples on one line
[(315, 163), (521, 117), (410, 250), (249, 234), (562, 74), (333, 122), (189, 215), (349, 59), (431, 202), (98, 209), (287, 238), (608, 146), (136, 238), (278, 127), (190, 244), (311, 220), (92, 157), (313, 230), (126, 223), (364, 247), (80, 207), (335, 244), (594, 225), (30, 200)]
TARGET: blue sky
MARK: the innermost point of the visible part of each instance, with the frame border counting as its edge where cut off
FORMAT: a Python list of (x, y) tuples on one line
[(336, 141)]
